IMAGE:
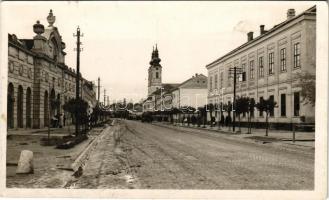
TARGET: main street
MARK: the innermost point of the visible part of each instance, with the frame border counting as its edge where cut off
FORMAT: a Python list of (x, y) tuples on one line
[(148, 156)]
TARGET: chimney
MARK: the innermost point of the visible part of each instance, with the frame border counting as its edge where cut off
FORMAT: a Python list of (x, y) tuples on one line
[(290, 13), (250, 36), (262, 29)]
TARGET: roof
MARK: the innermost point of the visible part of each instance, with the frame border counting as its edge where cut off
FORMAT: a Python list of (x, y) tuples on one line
[(165, 88), (23, 44), (311, 10), (197, 76)]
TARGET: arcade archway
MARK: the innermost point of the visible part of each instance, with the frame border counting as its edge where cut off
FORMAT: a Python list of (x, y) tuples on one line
[(10, 106), (28, 108), (20, 107)]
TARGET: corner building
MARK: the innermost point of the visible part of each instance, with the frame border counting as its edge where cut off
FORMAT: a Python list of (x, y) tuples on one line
[(269, 65), (39, 81)]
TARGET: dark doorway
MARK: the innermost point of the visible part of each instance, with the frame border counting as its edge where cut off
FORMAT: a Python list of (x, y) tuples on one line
[(28, 108), (46, 106), (52, 105), (10, 106), (20, 107)]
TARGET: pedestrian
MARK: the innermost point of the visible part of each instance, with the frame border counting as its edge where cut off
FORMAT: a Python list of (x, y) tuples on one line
[(54, 121), (57, 120), (193, 120), (60, 121), (222, 120), (229, 120), (226, 120)]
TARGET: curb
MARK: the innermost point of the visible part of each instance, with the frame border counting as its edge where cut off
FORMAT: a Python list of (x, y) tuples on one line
[(226, 133), (200, 128), (84, 156)]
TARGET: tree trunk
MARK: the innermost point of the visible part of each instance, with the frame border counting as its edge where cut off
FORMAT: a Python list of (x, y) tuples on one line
[(211, 118), (219, 115), (239, 124), (266, 134), (249, 123)]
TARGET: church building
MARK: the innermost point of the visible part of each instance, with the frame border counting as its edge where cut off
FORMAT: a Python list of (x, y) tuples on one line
[(155, 86)]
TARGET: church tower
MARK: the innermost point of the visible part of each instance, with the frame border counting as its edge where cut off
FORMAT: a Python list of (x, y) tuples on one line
[(154, 72)]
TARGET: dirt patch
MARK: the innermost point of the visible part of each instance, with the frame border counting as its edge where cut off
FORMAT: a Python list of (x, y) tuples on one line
[(264, 139)]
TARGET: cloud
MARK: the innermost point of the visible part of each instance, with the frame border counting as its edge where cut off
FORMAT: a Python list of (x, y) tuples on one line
[(243, 26)]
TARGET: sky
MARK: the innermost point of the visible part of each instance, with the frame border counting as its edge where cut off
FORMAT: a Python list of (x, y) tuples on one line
[(119, 36)]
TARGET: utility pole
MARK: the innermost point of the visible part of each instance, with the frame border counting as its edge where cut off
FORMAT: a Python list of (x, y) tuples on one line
[(234, 70), (104, 96), (77, 80), (99, 86)]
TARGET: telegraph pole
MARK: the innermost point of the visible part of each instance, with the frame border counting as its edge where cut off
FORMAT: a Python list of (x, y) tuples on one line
[(234, 93), (104, 96), (77, 80), (234, 70), (99, 86)]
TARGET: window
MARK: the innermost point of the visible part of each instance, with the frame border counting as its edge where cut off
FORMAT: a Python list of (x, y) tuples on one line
[(296, 103), (272, 110), (221, 79), (261, 67), (210, 83), (283, 105), (296, 55), (283, 64), (242, 76), (271, 63), (229, 78), (216, 81), (251, 66), (157, 75), (261, 112)]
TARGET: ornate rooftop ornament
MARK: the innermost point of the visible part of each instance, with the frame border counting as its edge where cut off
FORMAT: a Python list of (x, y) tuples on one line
[(51, 18), (38, 28)]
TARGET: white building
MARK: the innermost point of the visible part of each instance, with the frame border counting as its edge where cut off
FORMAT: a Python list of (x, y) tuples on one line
[(270, 63)]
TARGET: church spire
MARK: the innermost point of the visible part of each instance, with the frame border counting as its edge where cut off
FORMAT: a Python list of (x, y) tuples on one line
[(155, 61)]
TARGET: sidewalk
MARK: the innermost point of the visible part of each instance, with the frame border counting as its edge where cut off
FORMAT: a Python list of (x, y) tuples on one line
[(258, 135), (42, 132), (52, 167)]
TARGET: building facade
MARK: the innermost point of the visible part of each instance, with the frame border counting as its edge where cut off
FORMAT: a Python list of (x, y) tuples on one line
[(269, 65), (165, 96), (155, 86), (154, 72), (39, 81), (191, 93)]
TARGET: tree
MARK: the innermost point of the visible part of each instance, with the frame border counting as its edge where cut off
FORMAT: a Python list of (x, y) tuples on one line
[(306, 81), (251, 108), (227, 107), (219, 109), (241, 104), (202, 115), (80, 106), (175, 111), (266, 105), (210, 107)]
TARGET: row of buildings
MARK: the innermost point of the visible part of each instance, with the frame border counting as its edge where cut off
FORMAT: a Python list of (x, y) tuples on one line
[(269, 65), (39, 81), (166, 96)]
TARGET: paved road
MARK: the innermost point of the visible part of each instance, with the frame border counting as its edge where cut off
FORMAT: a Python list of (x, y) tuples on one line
[(142, 155)]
